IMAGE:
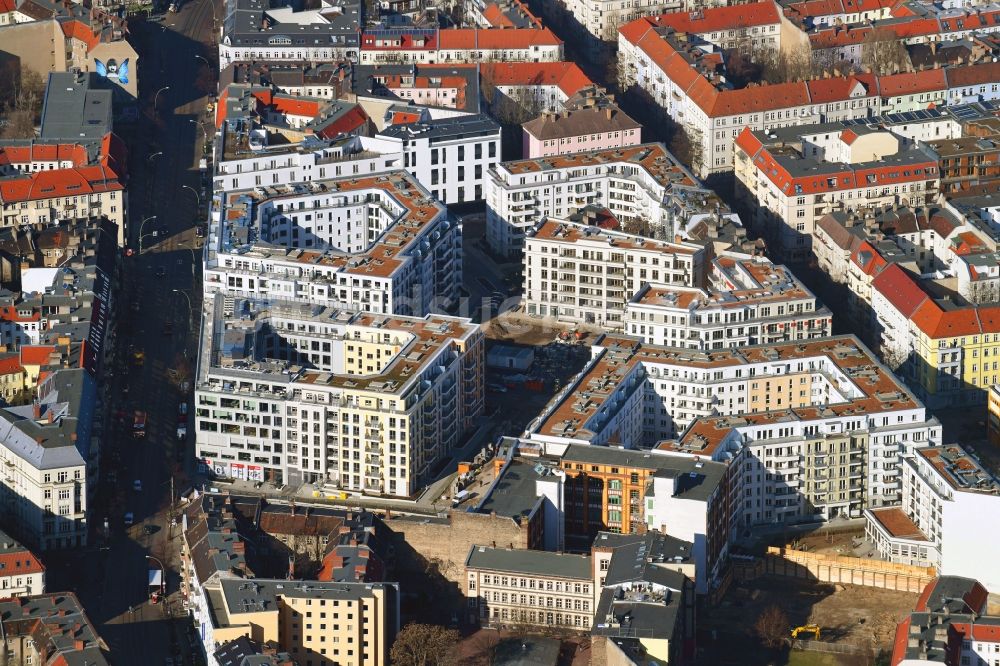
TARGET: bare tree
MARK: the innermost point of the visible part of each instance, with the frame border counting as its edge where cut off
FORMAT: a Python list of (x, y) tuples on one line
[(884, 53), (23, 105), (772, 626), (686, 146), (486, 644), (424, 645)]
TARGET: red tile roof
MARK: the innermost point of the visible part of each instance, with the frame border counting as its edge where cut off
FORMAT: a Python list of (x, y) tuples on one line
[(9, 313), (10, 365), (868, 259), (7, 6), (566, 75), (18, 563), (81, 31), (969, 75), (714, 19), (900, 289), (907, 83), (350, 121), (36, 354), (70, 182), (404, 117)]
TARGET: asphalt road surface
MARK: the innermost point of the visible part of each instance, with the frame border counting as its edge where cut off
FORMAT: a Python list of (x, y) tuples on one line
[(162, 286)]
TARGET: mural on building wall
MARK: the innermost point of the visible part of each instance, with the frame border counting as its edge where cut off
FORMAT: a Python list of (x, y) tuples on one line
[(117, 63), (112, 70)]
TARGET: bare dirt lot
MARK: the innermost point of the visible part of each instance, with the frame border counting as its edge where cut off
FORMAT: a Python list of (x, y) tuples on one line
[(829, 542), (861, 616)]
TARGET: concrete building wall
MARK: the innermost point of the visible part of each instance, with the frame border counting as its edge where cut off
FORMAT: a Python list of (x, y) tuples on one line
[(447, 543), (40, 45)]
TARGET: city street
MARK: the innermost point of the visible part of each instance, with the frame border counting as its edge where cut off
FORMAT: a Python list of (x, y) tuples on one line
[(159, 318)]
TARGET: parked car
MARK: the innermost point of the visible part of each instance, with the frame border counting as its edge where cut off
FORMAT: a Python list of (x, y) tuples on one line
[(182, 409), (129, 519), (137, 486)]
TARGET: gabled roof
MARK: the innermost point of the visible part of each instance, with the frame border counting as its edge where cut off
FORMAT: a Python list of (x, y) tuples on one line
[(907, 83), (714, 19), (567, 76), (900, 289)]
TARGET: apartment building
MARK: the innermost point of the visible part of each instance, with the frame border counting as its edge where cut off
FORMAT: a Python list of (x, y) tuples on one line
[(377, 243), (333, 36), (646, 609), (451, 157), (810, 430), (51, 461), (632, 183), (459, 45), (50, 629), (579, 273), (791, 192), (600, 20), (950, 624), (945, 489), (366, 402), (21, 573), (531, 87), (568, 493), (749, 301), (590, 121), (993, 415), (682, 75), (351, 624), (948, 352), (529, 587)]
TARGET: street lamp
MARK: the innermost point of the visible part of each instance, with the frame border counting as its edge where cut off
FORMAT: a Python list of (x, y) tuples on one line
[(157, 96), (156, 154), (163, 577), (190, 306), (201, 57), (204, 134), (196, 195), (141, 226)]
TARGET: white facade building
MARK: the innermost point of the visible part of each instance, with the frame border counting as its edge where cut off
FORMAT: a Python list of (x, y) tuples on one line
[(376, 243), (578, 273), (451, 157), (750, 301), (631, 183), (364, 402), (946, 493)]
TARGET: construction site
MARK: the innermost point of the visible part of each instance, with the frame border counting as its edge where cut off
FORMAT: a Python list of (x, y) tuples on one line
[(852, 620)]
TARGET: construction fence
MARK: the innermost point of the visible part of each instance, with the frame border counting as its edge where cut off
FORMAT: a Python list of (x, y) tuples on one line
[(840, 569)]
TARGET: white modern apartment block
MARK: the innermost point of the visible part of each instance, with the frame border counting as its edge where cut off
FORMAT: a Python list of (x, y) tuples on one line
[(579, 273), (368, 403), (451, 157), (812, 429), (376, 243), (946, 494), (750, 301), (631, 183)]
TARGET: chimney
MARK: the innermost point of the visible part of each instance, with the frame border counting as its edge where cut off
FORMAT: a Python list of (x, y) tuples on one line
[(608, 112), (293, 506), (36, 409), (291, 567), (78, 644)]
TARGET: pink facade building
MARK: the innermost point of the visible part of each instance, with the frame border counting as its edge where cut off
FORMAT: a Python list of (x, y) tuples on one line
[(590, 121)]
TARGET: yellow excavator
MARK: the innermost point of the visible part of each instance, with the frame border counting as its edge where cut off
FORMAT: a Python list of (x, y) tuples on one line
[(806, 629)]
